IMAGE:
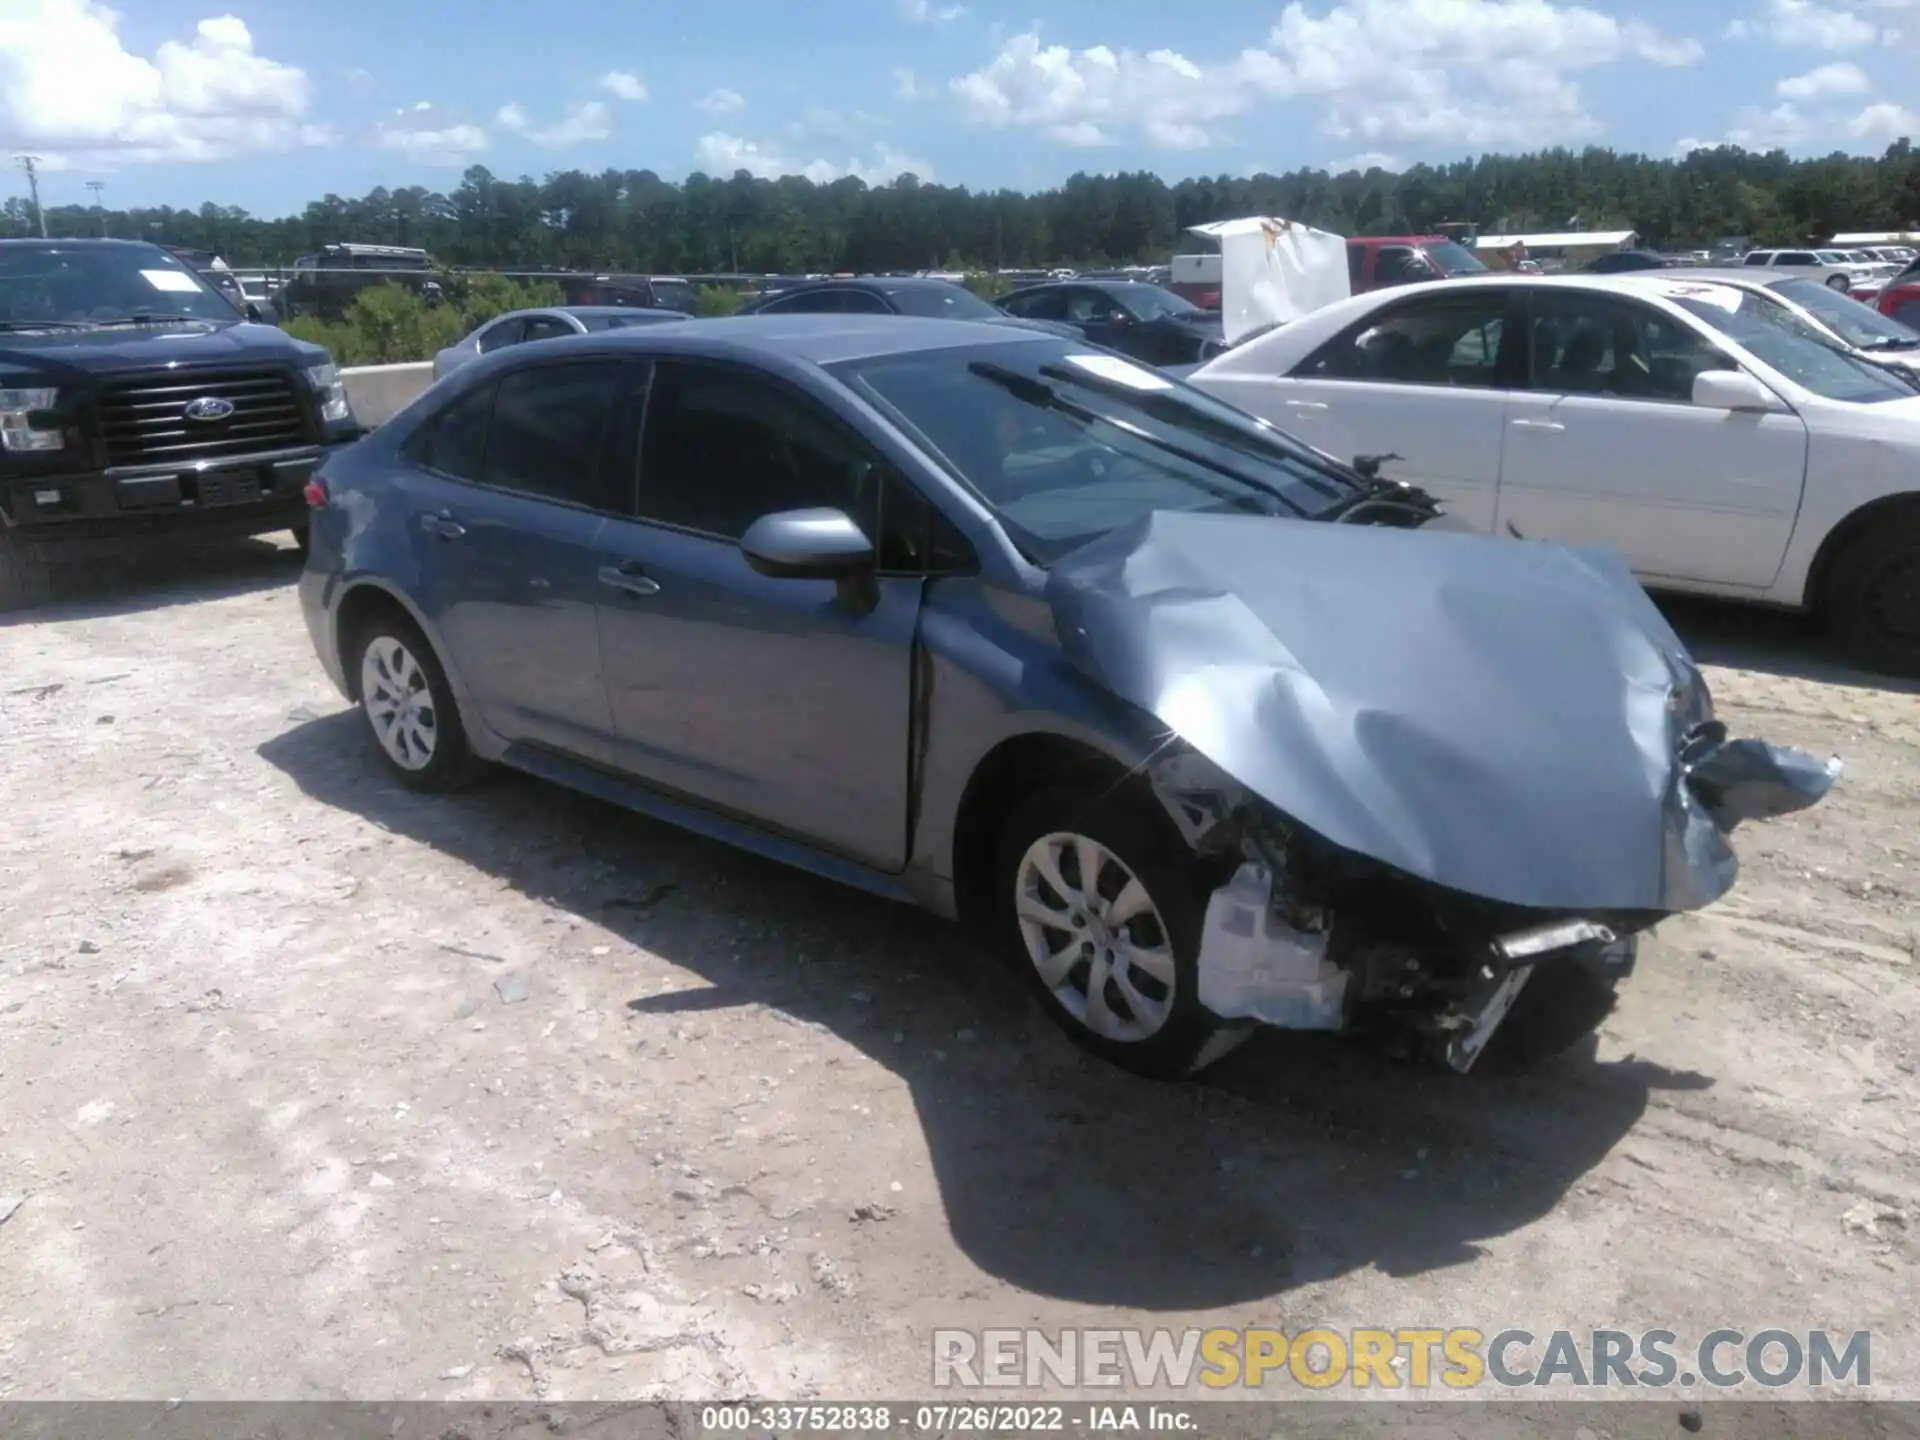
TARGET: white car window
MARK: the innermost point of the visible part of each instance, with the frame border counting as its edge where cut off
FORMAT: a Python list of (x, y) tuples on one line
[(1781, 339), (1592, 344), (1439, 339)]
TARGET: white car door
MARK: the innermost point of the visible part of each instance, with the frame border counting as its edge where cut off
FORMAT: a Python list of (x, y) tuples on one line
[(1607, 448), (1424, 378)]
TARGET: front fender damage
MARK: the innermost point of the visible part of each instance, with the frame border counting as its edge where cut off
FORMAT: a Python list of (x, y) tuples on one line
[(1416, 768)]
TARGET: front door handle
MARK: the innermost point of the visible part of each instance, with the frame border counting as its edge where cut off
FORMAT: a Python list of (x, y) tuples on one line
[(443, 525), (1553, 427), (1307, 407), (630, 578)]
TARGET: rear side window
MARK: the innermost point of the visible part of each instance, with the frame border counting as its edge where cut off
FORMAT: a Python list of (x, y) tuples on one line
[(507, 332), (1798, 257), (548, 327), (549, 422), (454, 442)]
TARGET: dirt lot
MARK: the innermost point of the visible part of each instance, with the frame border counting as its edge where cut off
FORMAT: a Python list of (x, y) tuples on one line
[(315, 1089)]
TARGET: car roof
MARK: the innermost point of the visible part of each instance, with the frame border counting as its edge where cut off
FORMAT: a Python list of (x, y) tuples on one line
[(1111, 282), (815, 339)]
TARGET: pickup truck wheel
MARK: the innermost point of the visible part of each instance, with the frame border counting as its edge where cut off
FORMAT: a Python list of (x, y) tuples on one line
[(1873, 595), (411, 714), (25, 579), (1102, 913)]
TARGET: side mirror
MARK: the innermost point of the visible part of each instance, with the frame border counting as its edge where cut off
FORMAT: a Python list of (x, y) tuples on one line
[(819, 544), (262, 314), (1730, 390)]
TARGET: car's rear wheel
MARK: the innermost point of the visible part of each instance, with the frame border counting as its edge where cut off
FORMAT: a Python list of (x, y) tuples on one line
[(1840, 283), (25, 579), (1873, 595), (1101, 909), (409, 707)]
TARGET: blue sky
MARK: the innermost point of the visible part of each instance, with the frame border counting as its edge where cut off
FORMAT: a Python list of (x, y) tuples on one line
[(266, 105)]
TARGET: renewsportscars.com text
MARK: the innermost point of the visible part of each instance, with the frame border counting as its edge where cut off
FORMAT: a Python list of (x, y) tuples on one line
[(1461, 1358)]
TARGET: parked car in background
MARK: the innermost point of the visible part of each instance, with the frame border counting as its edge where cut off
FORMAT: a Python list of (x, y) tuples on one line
[(1709, 440), (1376, 262), (1827, 314), (907, 295), (1830, 267), (1021, 631), (1620, 261), (517, 327), (325, 283), (139, 409), (1152, 325)]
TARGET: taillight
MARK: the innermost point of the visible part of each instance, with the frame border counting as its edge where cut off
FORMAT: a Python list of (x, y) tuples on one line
[(316, 494)]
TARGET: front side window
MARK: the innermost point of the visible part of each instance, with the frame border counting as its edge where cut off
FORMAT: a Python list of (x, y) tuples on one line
[(454, 442), (1454, 258), (1590, 344), (1091, 307), (1440, 339), (1041, 305), (1148, 302), (1400, 265), (549, 422), (548, 327), (723, 447), (1780, 339), (1064, 444)]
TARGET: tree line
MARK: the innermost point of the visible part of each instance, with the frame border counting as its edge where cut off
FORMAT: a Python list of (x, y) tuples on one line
[(632, 220)]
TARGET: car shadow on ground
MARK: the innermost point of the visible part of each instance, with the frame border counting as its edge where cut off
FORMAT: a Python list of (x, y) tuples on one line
[(170, 577), (1773, 642), (1296, 1160)]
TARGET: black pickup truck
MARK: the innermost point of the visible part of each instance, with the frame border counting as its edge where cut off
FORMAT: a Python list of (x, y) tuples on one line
[(139, 407)]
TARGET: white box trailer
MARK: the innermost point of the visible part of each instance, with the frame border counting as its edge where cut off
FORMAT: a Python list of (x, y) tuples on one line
[(1266, 272)]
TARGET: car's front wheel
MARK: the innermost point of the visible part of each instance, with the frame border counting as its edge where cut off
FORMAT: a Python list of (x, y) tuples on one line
[(25, 579), (1873, 595), (1101, 909), (409, 707)]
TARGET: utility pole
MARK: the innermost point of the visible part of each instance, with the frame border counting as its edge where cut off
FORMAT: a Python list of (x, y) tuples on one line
[(26, 163), (96, 186)]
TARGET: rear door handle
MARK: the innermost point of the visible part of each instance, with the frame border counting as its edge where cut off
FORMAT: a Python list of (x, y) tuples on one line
[(1553, 427), (443, 525), (630, 578)]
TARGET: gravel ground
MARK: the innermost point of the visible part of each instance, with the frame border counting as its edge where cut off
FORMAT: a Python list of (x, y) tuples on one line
[(312, 1088)]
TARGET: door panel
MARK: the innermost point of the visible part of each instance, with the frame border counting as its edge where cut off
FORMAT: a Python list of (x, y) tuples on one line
[(1608, 449)]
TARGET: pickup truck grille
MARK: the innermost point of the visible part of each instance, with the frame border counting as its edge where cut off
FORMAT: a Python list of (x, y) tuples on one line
[(145, 422)]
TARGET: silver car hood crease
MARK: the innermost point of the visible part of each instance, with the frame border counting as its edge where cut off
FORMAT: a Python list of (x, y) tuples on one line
[(1506, 720)]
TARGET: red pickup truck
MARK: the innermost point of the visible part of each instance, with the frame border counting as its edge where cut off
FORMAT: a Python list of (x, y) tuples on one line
[(1373, 262)]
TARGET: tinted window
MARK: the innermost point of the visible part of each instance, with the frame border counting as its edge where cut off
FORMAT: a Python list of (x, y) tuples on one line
[(1398, 265), (547, 327), (1148, 301), (1586, 344), (941, 302), (724, 447), (1041, 305), (454, 442), (1797, 257), (915, 538), (1759, 257), (548, 424), (1437, 340), (506, 332), (807, 302), (1094, 305), (862, 302), (1455, 259)]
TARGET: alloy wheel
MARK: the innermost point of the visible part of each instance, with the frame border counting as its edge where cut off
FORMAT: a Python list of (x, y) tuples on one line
[(1095, 937), (399, 703)]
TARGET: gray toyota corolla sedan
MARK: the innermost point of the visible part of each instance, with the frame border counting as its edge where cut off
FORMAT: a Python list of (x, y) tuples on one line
[(1204, 728)]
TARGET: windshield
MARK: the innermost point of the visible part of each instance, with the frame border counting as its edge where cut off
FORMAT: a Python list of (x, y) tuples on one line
[(1149, 302), (1065, 444), (1859, 325), (84, 285), (942, 302), (1455, 259), (1780, 338)]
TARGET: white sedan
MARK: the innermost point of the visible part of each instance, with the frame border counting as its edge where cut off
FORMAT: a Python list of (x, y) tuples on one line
[(518, 327), (1694, 427)]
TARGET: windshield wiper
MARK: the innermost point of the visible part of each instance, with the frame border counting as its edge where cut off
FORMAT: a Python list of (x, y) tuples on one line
[(1038, 392), (16, 325), (147, 317), (1893, 342)]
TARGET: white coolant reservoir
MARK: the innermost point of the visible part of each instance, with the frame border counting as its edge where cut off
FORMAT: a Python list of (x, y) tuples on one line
[(1255, 966)]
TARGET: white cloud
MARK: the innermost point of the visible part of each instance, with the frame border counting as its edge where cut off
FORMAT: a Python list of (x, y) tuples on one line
[(1839, 78), (1366, 160), (623, 85), (584, 121), (722, 154), (426, 135), (1885, 122), (909, 86), (1479, 72), (1806, 25), (927, 12), (721, 102), (68, 84)]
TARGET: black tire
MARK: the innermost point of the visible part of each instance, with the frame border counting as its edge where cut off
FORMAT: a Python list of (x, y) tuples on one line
[(1840, 283), (1560, 1006), (25, 579), (1190, 1038), (448, 763), (1873, 595)]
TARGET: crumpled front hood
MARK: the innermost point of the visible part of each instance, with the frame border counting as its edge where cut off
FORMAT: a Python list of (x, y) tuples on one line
[(1501, 718)]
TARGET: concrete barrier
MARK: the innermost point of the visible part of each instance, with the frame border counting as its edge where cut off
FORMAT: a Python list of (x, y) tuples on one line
[(378, 392)]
